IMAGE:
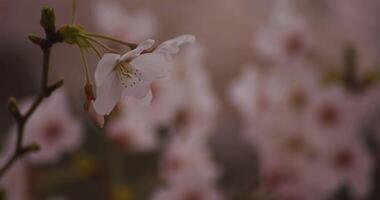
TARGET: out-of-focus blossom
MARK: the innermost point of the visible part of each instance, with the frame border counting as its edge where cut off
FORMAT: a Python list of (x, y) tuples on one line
[(187, 94), (52, 127), (259, 91), (188, 153), (285, 37), (187, 166), (188, 169), (132, 27), (131, 74), (333, 112), (308, 137), (133, 127), (349, 160)]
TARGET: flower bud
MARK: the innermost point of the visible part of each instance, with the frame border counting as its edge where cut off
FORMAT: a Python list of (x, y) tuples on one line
[(48, 19), (13, 107)]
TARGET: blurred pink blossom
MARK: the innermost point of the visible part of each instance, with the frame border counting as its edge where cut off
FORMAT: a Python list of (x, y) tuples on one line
[(53, 127), (308, 136), (114, 19)]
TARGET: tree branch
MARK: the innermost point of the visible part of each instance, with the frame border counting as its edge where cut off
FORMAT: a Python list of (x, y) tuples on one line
[(46, 90)]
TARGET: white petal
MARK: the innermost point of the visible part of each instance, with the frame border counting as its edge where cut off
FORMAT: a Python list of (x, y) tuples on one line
[(171, 47), (138, 50), (105, 67), (139, 91), (152, 66), (108, 94)]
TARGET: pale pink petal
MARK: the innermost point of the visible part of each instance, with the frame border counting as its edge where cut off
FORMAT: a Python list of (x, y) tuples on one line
[(151, 65), (138, 91), (138, 50), (105, 67), (171, 47), (108, 94)]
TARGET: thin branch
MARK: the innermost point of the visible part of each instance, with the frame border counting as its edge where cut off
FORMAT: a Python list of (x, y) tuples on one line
[(46, 91), (85, 64)]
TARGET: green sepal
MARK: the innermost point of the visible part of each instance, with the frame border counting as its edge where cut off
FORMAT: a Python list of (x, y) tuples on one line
[(73, 34)]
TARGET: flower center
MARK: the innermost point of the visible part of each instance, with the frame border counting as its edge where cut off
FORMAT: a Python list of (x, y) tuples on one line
[(128, 76), (294, 44), (298, 99), (329, 115), (53, 131), (344, 159)]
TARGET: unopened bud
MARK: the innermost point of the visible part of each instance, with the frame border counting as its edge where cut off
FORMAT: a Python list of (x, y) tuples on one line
[(13, 107), (48, 19)]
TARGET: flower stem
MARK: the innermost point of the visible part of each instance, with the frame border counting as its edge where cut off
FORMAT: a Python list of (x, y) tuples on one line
[(130, 45), (46, 91), (96, 50), (85, 64), (74, 14), (104, 46)]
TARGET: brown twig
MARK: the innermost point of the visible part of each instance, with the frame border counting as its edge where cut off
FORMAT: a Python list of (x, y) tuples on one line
[(46, 44)]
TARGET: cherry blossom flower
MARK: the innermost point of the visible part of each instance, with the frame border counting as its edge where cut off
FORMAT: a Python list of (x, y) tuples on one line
[(52, 127), (184, 100), (131, 74)]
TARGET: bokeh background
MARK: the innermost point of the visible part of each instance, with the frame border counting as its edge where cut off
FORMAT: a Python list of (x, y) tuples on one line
[(278, 99)]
